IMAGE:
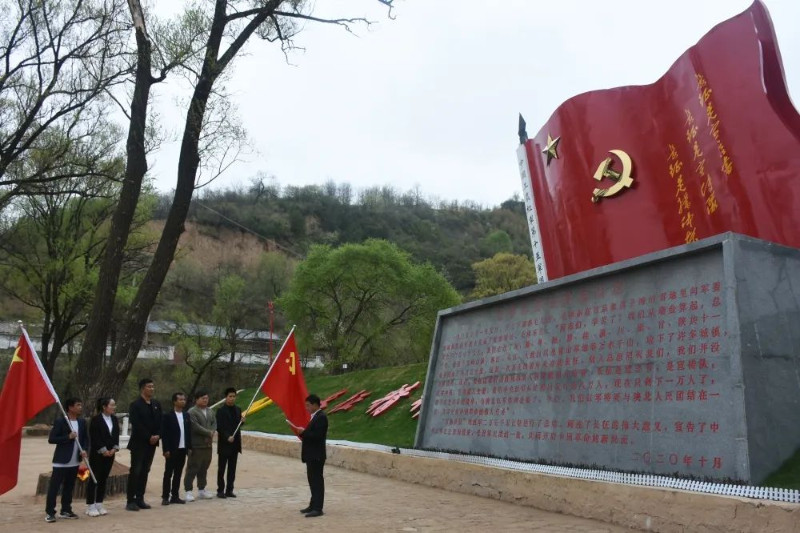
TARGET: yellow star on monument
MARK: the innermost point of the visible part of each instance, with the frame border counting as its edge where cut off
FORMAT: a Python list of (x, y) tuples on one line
[(16, 358), (551, 150)]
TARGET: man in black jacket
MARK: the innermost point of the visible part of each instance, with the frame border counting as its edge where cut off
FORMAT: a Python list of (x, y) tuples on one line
[(66, 435), (176, 443), (229, 443), (145, 419), (313, 454)]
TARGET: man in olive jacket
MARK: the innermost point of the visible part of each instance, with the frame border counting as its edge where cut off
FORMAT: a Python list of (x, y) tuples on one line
[(204, 427)]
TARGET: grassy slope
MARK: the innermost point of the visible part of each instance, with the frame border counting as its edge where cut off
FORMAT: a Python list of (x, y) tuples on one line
[(394, 427), (787, 476)]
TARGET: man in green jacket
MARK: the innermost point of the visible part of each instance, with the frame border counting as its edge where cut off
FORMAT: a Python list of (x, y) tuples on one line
[(204, 427)]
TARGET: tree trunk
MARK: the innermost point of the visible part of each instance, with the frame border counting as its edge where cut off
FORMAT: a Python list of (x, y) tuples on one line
[(132, 328), (112, 378), (90, 360)]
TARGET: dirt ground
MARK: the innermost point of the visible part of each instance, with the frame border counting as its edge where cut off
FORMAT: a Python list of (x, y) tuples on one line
[(271, 490)]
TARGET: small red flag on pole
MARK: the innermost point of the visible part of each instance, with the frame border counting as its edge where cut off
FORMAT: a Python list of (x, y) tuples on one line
[(26, 391), (285, 385)]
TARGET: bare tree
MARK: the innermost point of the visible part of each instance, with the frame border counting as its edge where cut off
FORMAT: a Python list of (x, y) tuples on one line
[(223, 32), (58, 60)]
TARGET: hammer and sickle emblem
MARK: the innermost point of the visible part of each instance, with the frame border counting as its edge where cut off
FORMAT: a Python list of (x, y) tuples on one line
[(623, 179)]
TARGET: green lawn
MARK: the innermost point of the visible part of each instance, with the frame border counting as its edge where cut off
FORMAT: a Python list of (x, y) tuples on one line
[(787, 476), (394, 427)]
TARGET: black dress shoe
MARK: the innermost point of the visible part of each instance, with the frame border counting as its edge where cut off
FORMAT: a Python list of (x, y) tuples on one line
[(176, 500), (131, 506), (230, 495), (142, 505), (314, 513), (221, 495), (306, 510), (164, 501)]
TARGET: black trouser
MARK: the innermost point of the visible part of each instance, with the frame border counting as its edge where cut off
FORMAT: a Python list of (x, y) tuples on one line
[(316, 483), (64, 478), (230, 461), (101, 466), (141, 460), (173, 469)]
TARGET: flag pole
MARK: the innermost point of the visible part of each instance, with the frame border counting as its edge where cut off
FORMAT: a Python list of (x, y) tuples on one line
[(271, 365), (55, 395)]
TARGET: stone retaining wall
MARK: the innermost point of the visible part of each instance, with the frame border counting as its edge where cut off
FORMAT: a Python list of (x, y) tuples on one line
[(644, 508)]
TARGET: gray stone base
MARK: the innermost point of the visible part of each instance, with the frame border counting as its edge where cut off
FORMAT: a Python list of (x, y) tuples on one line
[(682, 363)]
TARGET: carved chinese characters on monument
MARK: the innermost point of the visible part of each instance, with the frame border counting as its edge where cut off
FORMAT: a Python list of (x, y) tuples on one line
[(627, 371)]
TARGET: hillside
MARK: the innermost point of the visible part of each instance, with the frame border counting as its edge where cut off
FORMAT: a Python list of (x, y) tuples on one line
[(228, 226)]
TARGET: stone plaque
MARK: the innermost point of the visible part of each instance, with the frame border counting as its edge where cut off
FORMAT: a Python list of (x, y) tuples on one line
[(630, 367)]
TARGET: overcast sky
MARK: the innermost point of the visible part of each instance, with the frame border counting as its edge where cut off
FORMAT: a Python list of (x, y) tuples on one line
[(431, 98)]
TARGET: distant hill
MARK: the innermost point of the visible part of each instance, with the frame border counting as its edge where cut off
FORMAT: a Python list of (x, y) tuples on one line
[(238, 224)]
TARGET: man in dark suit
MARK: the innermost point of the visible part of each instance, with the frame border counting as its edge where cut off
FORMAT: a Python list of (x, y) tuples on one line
[(229, 443), (71, 440), (145, 419), (313, 454), (176, 443)]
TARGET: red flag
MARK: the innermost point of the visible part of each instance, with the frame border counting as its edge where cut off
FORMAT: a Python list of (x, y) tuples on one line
[(26, 391), (284, 384), (713, 146)]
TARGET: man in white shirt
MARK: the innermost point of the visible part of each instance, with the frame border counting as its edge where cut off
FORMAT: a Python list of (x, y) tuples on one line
[(71, 440), (176, 440)]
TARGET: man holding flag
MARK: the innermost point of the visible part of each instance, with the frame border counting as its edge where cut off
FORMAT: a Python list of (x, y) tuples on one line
[(26, 391), (313, 453), (284, 384), (71, 440)]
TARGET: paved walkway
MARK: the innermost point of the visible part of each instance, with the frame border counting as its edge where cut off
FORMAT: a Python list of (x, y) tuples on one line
[(271, 490)]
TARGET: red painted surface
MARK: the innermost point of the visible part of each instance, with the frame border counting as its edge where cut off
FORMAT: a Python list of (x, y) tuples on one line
[(715, 145), (324, 403), (381, 405), (350, 402), (416, 408)]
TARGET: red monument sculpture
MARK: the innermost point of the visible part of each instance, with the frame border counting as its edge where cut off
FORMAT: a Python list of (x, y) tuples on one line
[(713, 146)]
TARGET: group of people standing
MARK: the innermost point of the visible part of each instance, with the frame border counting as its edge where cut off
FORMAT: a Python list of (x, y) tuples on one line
[(185, 439)]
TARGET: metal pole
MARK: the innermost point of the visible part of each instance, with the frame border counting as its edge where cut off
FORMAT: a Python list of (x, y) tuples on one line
[(271, 306)]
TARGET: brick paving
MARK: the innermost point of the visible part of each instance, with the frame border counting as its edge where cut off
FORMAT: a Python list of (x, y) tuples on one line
[(271, 490)]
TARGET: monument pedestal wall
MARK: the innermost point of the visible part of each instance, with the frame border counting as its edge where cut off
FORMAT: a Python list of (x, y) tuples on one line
[(682, 362)]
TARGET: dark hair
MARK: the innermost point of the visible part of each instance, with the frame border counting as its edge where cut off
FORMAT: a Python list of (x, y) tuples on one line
[(199, 394), (143, 382), (230, 390), (69, 402), (313, 399), (176, 395), (102, 403)]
